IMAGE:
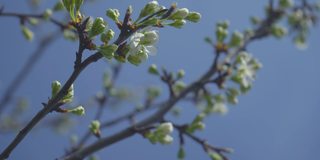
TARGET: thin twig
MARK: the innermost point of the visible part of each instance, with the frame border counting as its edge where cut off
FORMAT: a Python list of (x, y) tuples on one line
[(182, 129), (23, 17)]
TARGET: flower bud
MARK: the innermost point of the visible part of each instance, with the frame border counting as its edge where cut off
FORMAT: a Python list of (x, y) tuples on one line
[(95, 127), (180, 14), (80, 111), (98, 26), (134, 59), (108, 50), (219, 108), (278, 31), (149, 9), (300, 42), (113, 14), (236, 39), (167, 139), (224, 24), (214, 156), (221, 34), (181, 74), (151, 22), (149, 38), (153, 92), (55, 88), (47, 14), (179, 86), (107, 36), (153, 69), (178, 23), (255, 20), (27, 33), (142, 55), (69, 97), (194, 17), (70, 35), (200, 126), (165, 128)]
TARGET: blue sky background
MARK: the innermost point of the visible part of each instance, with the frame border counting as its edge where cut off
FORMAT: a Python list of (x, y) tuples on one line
[(278, 119)]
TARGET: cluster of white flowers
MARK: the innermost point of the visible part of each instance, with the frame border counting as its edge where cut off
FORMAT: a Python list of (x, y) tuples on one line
[(141, 45), (247, 69)]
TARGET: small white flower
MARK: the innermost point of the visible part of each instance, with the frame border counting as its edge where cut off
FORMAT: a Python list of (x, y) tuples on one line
[(166, 128), (247, 69), (135, 40), (220, 108), (166, 139), (143, 43), (150, 37)]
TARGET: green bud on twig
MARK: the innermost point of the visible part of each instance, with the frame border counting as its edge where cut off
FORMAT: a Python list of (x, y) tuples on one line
[(278, 31), (47, 14), (178, 23), (153, 69), (113, 14), (181, 74), (214, 156), (27, 33), (95, 128), (221, 34), (108, 50), (193, 17), (69, 97), (80, 111), (107, 36), (180, 14), (149, 9), (55, 88), (98, 26), (236, 39)]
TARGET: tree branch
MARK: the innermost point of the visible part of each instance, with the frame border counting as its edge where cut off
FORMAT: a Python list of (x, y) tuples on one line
[(23, 17), (261, 32)]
